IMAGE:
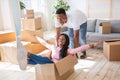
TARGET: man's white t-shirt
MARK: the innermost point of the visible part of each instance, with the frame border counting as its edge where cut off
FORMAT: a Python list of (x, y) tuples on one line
[(74, 19)]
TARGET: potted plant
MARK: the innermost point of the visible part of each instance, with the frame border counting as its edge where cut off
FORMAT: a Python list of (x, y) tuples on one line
[(22, 7), (62, 4)]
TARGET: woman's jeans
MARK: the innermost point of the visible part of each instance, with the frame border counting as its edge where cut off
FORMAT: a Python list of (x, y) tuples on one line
[(38, 59), (82, 35)]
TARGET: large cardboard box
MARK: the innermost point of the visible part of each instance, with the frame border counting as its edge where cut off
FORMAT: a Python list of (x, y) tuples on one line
[(7, 37), (29, 14), (57, 71), (31, 24), (9, 51), (29, 36), (105, 28), (35, 48), (111, 50)]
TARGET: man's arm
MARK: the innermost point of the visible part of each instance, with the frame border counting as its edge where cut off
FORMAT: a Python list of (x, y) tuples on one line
[(58, 30), (76, 38)]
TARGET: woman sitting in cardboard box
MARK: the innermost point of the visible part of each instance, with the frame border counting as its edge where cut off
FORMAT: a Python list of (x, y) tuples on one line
[(57, 52)]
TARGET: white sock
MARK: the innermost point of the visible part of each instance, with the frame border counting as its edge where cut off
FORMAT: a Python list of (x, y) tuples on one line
[(22, 54)]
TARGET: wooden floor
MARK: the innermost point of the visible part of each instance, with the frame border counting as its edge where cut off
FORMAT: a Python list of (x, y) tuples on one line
[(94, 67)]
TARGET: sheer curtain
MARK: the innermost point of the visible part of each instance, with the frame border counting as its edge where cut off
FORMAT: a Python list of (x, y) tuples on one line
[(6, 20), (43, 9)]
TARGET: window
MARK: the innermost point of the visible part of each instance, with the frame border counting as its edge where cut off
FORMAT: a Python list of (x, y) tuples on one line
[(32, 4), (103, 8)]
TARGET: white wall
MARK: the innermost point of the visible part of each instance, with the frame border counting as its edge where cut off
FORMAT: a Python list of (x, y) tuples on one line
[(78, 4), (116, 8), (97, 8)]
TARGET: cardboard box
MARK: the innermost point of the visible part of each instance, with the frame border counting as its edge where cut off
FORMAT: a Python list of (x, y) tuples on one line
[(29, 36), (111, 50), (105, 28), (58, 71), (35, 48), (29, 11), (9, 51), (29, 14), (39, 33), (7, 37), (31, 24)]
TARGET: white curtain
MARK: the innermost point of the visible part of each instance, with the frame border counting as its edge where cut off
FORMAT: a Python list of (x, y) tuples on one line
[(43, 9), (47, 13), (6, 20)]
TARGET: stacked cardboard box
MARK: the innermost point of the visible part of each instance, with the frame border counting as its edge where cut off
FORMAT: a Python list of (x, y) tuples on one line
[(105, 28), (111, 50), (28, 35), (31, 23), (29, 14)]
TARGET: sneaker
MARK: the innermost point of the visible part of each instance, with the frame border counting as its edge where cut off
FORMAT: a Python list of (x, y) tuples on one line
[(83, 56), (22, 55)]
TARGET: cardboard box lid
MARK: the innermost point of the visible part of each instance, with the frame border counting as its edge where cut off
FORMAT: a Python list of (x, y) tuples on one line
[(66, 64), (106, 24), (113, 41)]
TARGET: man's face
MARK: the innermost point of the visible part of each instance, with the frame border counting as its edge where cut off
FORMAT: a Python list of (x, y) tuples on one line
[(62, 18)]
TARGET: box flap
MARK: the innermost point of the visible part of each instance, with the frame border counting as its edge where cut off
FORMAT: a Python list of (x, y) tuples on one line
[(112, 40), (106, 24), (66, 64)]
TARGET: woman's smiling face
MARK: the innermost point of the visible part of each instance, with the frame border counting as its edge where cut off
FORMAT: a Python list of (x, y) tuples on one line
[(61, 41)]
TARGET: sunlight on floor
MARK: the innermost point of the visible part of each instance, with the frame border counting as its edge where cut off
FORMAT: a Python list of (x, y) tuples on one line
[(84, 64), (14, 67)]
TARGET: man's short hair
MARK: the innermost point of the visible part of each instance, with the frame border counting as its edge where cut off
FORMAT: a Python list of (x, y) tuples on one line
[(61, 11)]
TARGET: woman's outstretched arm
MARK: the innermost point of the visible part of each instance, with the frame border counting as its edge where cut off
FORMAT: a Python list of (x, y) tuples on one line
[(83, 47), (43, 42)]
